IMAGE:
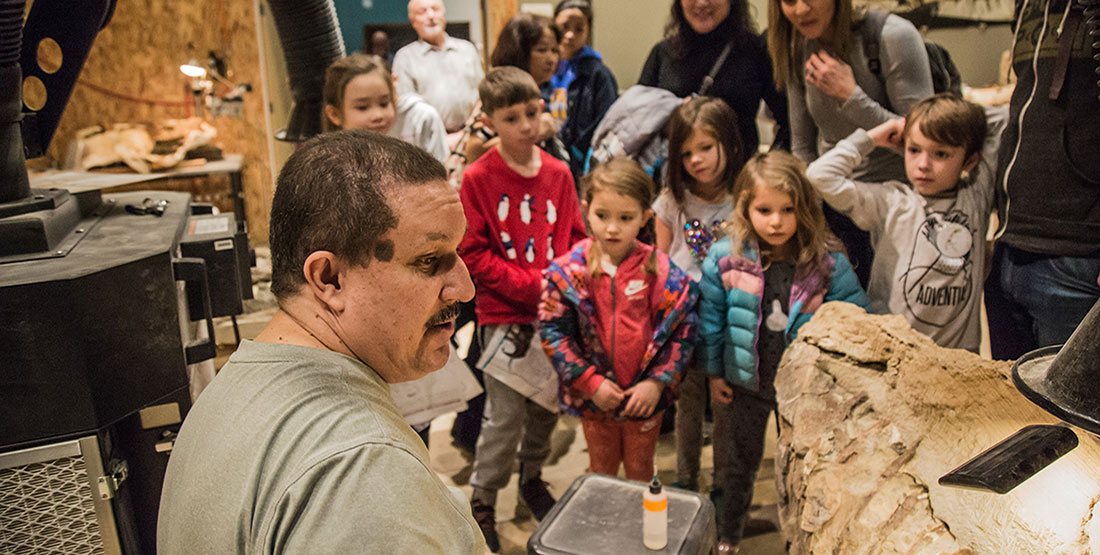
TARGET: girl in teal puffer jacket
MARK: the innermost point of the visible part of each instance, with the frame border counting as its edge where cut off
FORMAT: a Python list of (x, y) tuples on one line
[(760, 284)]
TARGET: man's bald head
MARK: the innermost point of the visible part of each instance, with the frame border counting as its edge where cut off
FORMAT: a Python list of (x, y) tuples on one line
[(428, 17)]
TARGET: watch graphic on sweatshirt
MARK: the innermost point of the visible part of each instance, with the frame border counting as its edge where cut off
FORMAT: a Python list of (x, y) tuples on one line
[(938, 283)]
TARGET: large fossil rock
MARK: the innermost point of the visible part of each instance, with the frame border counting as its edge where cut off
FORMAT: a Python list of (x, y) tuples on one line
[(872, 413)]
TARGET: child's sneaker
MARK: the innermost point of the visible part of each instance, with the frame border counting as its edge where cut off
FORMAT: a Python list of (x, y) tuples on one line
[(486, 517), (536, 496)]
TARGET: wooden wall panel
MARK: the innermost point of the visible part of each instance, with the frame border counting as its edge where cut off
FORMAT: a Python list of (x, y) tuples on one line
[(137, 56), (498, 12)]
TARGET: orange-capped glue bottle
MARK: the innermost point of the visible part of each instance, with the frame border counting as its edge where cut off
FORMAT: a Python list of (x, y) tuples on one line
[(655, 516)]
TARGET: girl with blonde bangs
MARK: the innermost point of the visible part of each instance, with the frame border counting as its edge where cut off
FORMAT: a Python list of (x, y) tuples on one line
[(786, 174), (760, 285), (616, 319), (626, 178)]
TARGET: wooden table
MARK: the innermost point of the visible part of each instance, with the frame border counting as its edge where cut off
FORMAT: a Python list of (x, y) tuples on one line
[(79, 181)]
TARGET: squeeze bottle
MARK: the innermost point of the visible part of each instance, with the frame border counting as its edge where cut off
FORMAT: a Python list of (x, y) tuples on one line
[(655, 516)]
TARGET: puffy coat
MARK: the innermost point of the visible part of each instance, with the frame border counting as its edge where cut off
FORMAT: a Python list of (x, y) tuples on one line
[(730, 311)]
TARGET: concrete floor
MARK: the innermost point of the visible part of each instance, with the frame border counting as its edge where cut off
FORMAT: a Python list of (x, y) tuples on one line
[(569, 460)]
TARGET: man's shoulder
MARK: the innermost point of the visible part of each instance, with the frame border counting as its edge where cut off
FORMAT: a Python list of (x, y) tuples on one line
[(308, 477), (458, 43), (414, 48), (267, 385)]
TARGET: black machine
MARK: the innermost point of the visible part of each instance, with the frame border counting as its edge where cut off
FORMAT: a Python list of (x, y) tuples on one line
[(106, 307)]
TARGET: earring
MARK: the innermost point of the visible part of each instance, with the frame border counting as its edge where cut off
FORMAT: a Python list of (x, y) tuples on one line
[(965, 175)]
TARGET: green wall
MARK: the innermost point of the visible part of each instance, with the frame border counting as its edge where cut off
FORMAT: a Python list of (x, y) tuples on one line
[(352, 14)]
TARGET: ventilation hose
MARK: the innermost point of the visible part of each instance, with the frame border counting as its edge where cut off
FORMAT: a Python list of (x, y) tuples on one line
[(13, 165), (311, 41)]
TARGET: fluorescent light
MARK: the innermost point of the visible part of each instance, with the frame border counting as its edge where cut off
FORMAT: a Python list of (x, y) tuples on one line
[(192, 69)]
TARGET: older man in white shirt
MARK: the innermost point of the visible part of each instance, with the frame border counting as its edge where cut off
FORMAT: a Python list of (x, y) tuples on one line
[(444, 70)]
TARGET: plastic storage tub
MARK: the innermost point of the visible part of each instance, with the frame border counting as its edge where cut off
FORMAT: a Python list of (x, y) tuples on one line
[(603, 514)]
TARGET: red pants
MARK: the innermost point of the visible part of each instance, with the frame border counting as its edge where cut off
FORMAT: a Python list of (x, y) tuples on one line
[(630, 442)]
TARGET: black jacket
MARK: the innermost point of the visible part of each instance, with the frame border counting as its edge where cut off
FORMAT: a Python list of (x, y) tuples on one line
[(743, 81), (592, 91)]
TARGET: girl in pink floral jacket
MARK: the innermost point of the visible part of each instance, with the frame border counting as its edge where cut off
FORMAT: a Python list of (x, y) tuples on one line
[(616, 319)]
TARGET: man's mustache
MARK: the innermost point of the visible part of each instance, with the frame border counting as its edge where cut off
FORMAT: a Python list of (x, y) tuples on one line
[(449, 313)]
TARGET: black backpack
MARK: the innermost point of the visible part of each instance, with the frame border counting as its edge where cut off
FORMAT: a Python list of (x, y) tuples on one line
[(945, 76)]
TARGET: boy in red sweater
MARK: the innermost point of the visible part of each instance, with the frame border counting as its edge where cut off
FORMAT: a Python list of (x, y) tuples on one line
[(521, 211)]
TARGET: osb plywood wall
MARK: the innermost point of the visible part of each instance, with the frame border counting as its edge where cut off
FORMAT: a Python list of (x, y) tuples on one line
[(132, 75), (498, 12)]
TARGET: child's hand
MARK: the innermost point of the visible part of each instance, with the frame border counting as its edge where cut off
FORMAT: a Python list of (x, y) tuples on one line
[(608, 396), (547, 126), (720, 391), (643, 398), (889, 134), (830, 75)]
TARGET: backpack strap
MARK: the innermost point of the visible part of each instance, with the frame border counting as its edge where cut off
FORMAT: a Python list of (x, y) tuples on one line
[(708, 81), (871, 32)]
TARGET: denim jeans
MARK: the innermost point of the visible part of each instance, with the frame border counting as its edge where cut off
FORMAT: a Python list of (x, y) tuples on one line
[(1035, 300)]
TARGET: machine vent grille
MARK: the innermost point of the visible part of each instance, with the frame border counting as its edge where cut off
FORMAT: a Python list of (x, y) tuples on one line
[(46, 507)]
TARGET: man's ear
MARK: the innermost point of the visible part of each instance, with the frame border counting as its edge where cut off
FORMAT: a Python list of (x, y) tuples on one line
[(487, 122), (323, 270), (334, 115)]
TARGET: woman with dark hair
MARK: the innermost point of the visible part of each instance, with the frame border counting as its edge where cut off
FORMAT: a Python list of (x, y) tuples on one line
[(583, 88), (529, 42), (816, 47), (697, 33)]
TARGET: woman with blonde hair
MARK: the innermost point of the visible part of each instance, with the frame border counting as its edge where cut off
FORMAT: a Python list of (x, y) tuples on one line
[(816, 47)]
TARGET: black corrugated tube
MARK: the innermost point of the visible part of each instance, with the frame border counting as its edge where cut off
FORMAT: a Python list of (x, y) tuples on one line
[(11, 30), (311, 41), (13, 166)]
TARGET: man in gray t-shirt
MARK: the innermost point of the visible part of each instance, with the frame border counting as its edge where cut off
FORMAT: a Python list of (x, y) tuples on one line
[(297, 446)]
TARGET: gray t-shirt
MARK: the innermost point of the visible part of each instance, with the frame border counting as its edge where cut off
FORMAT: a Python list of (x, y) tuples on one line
[(819, 121), (298, 450), (694, 227)]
